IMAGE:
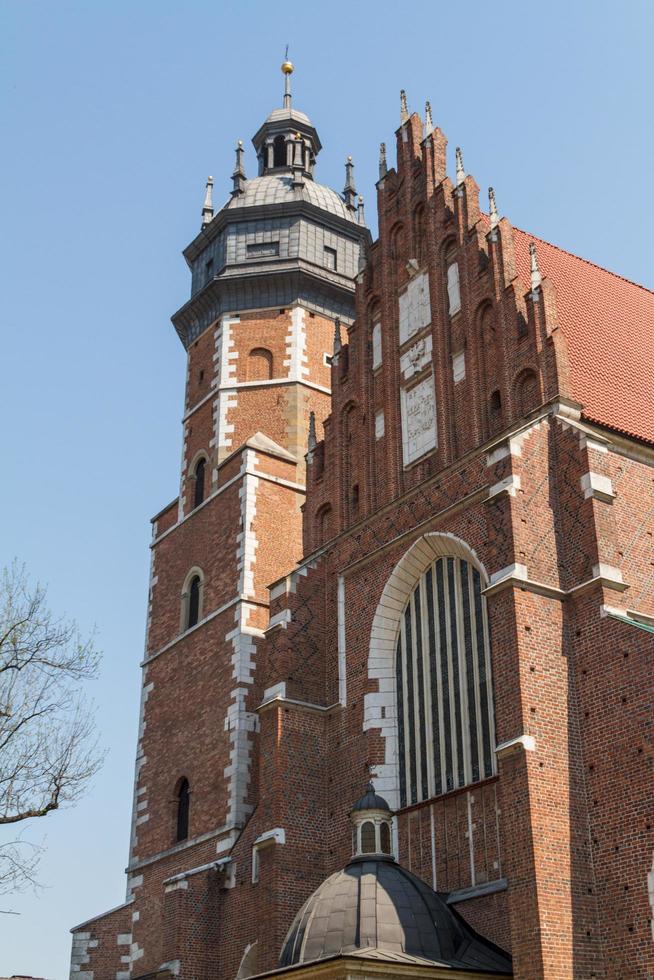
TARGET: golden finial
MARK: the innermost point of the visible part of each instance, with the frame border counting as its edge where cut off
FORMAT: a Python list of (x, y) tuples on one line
[(287, 66)]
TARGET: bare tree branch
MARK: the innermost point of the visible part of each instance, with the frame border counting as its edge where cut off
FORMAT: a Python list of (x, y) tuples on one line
[(48, 749)]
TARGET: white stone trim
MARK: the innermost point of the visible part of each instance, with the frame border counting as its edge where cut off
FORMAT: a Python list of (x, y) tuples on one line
[(139, 799), (342, 661), (296, 359), (608, 572), (597, 486), (525, 743), (509, 485), (516, 570), (280, 620), (458, 366), (267, 839)]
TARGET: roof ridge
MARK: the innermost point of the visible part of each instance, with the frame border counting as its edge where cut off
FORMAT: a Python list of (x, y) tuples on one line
[(580, 258)]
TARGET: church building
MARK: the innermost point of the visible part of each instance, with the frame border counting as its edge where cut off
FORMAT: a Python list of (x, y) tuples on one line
[(397, 712)]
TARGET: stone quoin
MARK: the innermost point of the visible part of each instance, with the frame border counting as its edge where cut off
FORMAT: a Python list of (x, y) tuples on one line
[(412, 545)]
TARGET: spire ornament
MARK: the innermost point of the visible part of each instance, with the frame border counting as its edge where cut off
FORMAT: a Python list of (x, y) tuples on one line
[(492, 207), (536, 277), (238, 175), (312, 441), (383, 167), (287, 69), (429, 122), (404, 111), (460, 171), (207, 208), (349, 191), (337, 338), (361, 217)]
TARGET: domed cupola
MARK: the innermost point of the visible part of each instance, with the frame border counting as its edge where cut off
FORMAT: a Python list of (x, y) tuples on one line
[(287, 141), (371, 819), (281, 239), (376, 909)]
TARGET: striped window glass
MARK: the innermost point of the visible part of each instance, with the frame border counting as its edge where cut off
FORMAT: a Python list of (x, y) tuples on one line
[(443, 682)]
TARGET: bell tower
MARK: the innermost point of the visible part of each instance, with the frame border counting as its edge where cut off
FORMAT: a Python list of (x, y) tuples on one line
[(272, 271)]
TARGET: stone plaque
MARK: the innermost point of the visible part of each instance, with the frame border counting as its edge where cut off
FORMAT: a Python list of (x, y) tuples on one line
[(418, 420), (415, 308)]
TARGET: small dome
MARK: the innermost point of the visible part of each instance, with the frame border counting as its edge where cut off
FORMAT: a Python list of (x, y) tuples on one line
[(279, 115), (370, 801), (376, 907), (278, 189)]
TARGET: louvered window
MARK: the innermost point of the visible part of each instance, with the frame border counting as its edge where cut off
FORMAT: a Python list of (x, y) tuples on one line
[(445, 712)]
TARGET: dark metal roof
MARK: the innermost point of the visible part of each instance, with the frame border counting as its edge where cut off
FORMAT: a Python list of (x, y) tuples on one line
[(370, 801), (377, 908)]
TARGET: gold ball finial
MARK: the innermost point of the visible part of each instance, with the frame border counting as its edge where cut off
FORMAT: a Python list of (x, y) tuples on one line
[(287, 67)]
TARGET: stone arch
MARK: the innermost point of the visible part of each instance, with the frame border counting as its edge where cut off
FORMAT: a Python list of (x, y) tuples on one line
[(380, 706), (249, 964)]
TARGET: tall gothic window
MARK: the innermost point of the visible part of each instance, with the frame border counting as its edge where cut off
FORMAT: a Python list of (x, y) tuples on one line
[(194, 601), (183, 807), (444, 700), (198, 493)]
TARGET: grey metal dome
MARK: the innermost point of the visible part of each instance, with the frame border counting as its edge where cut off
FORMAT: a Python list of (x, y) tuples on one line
[(279, 189), (371, 801), (377, 909)]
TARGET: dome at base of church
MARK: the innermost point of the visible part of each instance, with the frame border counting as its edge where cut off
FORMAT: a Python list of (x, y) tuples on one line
[(376, 908)]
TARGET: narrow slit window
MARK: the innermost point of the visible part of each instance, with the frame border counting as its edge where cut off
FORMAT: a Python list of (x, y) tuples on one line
[(183, 810)]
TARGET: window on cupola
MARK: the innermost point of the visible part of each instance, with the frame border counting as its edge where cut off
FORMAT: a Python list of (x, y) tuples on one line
[(279, 151), (368, 844)]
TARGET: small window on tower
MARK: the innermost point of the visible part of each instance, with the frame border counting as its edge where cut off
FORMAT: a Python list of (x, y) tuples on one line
[(183, 808), (330, 258), (193, 602), (198, 493), (208, 270), (385, 837)]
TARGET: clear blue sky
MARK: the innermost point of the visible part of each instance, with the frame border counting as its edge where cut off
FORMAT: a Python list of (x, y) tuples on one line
[(112, 115)]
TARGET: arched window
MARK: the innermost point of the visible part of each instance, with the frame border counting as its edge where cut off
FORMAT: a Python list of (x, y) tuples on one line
[(527, 392), (279, 151), (183, 806), (194, 601), (368, 838), (324, 524), (444, 700), (259, 364), (385, 838), (495, 411), (198, 492)]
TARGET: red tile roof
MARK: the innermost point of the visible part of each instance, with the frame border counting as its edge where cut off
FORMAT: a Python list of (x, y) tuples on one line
[(608, 323)]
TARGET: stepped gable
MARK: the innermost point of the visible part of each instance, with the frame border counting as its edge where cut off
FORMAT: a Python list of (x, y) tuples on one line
[(608, 324)]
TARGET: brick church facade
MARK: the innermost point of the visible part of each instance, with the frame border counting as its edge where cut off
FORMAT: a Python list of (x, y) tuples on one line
[(413, 545)]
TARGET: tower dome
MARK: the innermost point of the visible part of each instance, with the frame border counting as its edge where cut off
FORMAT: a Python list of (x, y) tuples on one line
[(281, 237), (376, 909)]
